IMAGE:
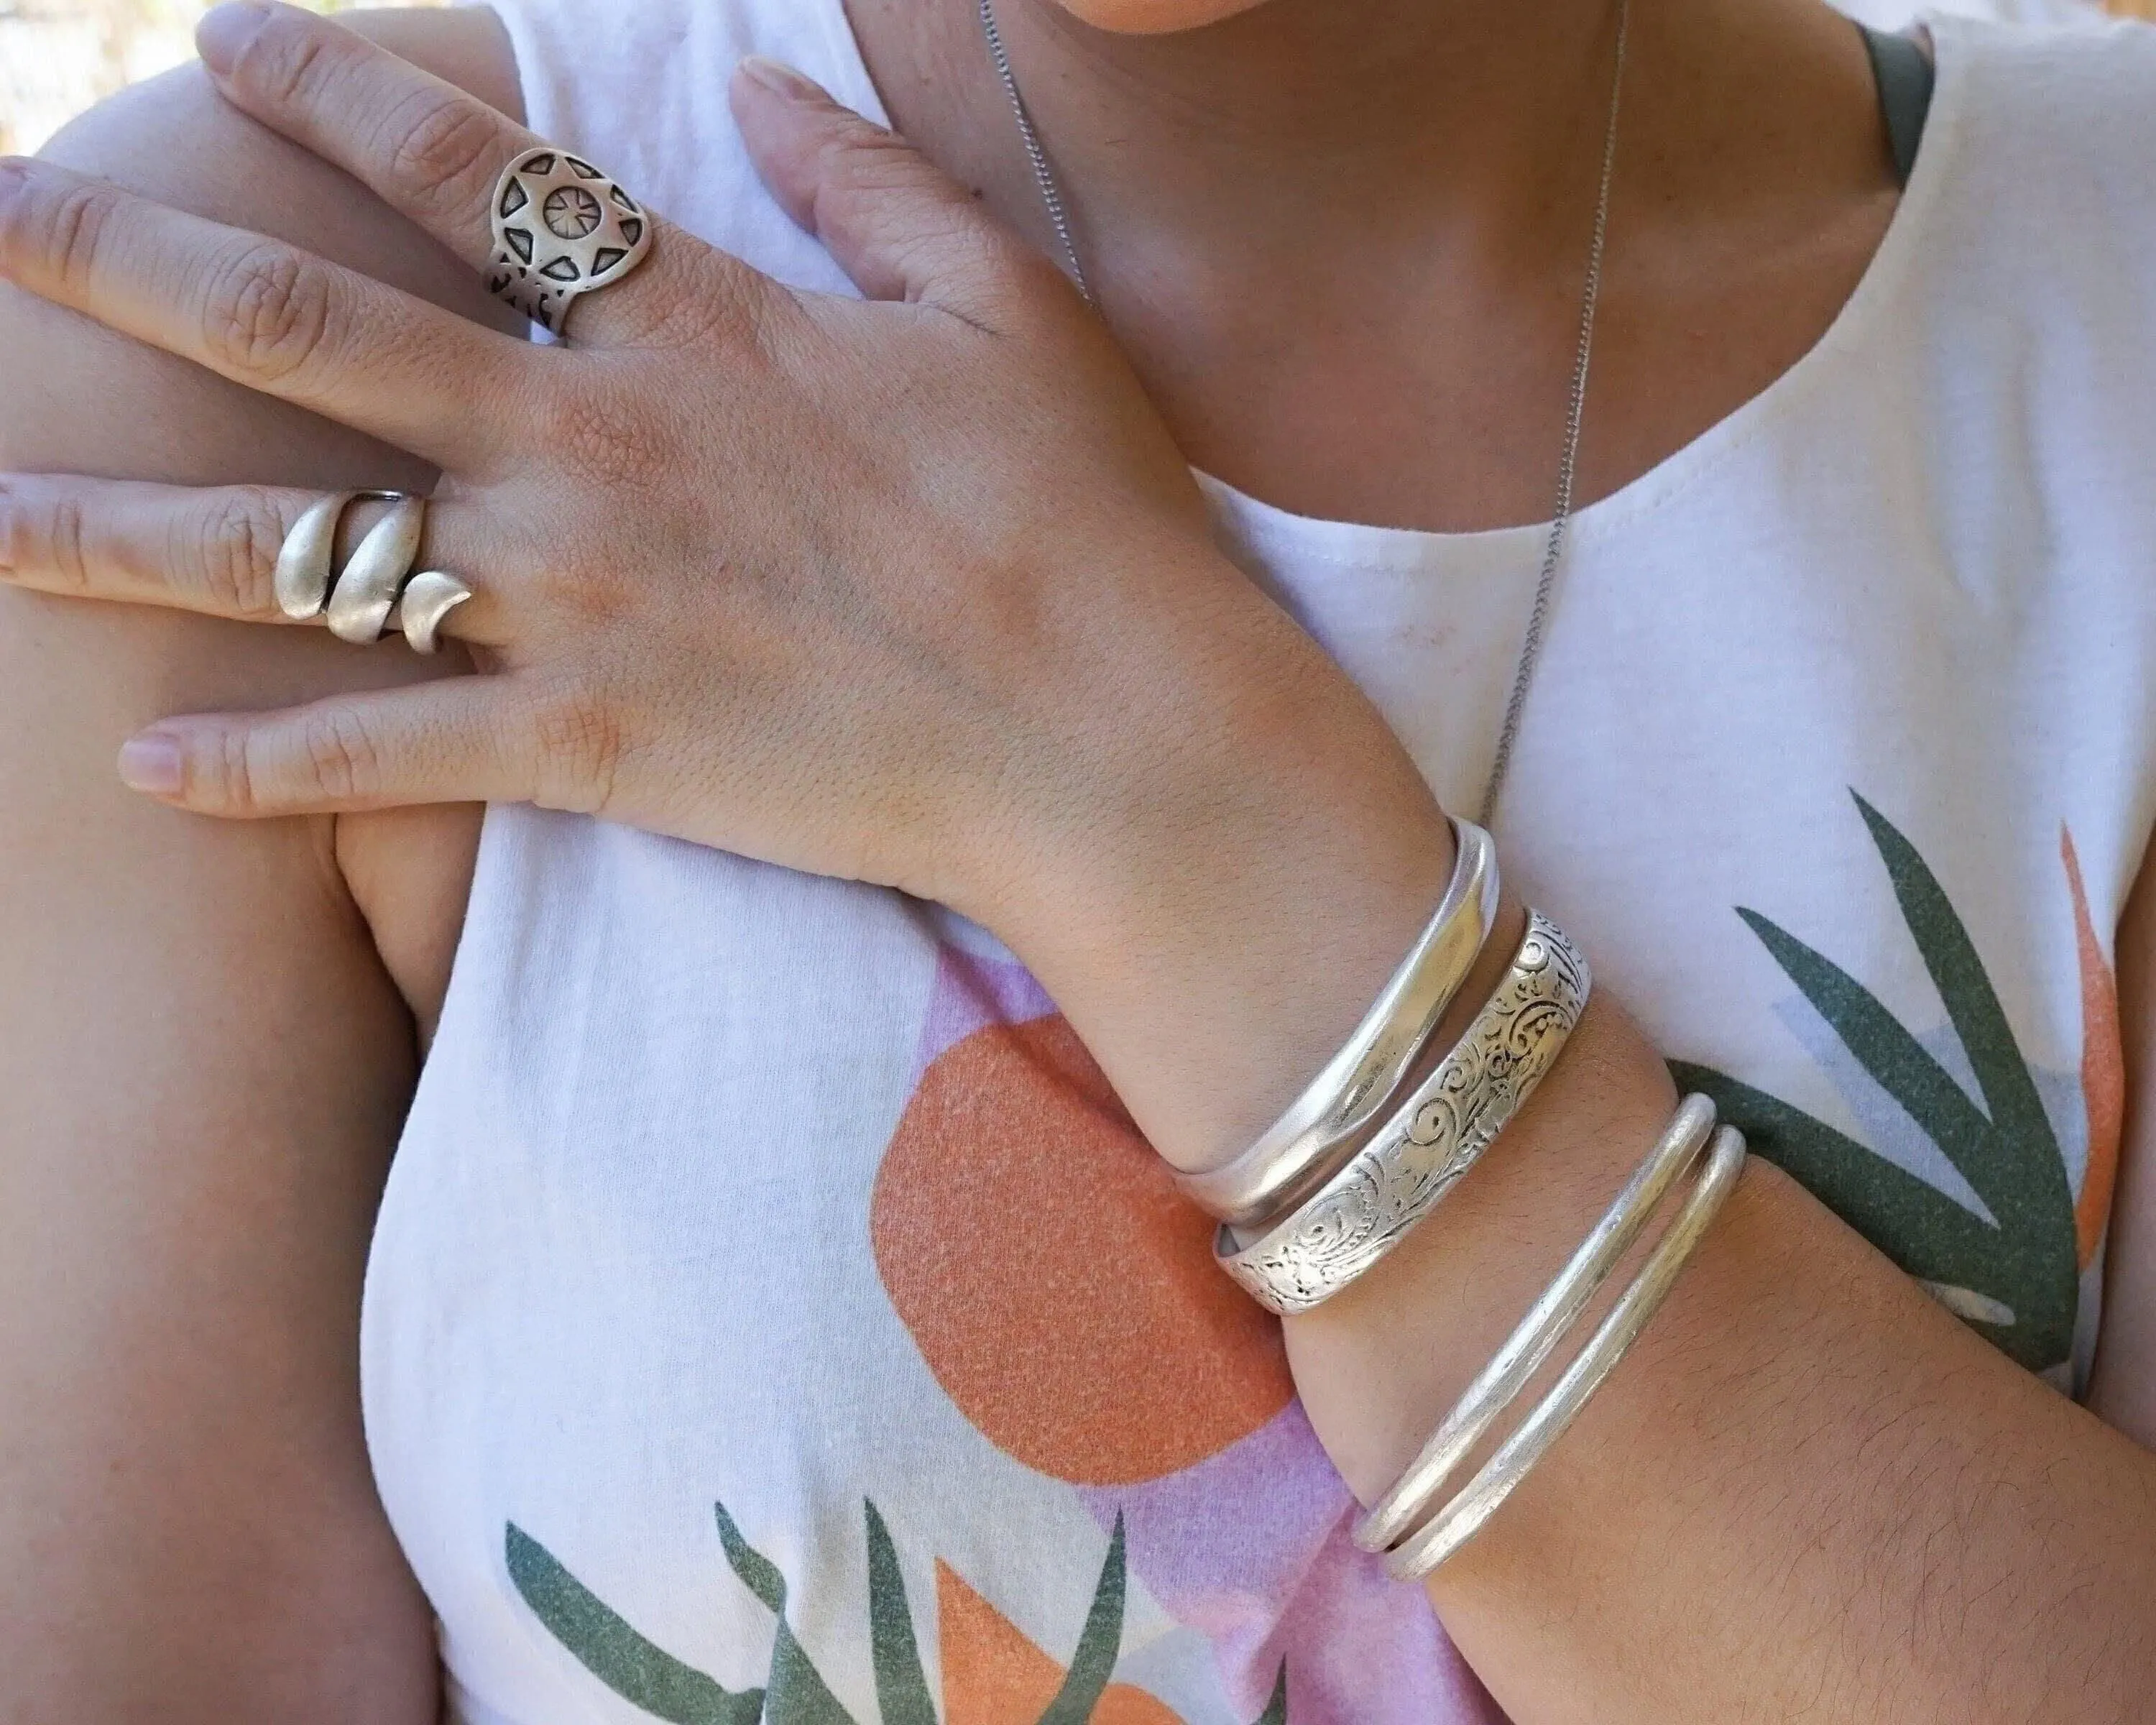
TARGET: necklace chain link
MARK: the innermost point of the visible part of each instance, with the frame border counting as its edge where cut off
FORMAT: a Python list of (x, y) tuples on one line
[(1538, 615)]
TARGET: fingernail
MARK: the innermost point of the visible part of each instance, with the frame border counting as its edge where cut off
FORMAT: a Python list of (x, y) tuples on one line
[(15, 175), (222, 35), (150, 763), (782, 81)]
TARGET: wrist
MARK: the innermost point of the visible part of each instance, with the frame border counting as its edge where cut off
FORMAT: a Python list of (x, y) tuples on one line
[(1216, 909)]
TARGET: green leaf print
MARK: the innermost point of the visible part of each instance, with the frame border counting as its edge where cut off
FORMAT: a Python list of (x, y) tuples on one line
[(1276, 1712), (1094, 1663), (757, 1572), (1936, 1239), (795, 1692), (614, 1653), (902, 1695), (2016, 1281)]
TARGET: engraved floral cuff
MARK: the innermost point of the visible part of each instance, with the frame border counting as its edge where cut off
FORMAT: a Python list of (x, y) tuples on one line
[(1379, 1195)]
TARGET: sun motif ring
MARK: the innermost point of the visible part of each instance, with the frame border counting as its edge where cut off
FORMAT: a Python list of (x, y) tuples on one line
[(560, 228)]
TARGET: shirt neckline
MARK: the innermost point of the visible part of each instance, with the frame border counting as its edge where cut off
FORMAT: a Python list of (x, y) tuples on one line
[(1369, 545)]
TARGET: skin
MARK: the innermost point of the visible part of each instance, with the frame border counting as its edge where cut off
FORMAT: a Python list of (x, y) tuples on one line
[(1801, 1428)]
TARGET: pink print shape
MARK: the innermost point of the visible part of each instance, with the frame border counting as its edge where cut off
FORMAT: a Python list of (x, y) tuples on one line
[(1252, 1547), (970, 994)]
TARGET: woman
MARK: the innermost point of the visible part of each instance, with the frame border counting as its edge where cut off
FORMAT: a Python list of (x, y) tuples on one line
[(773, 1308)]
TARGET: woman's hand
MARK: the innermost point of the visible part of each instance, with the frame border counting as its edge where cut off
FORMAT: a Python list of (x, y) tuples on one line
[(900, 590)]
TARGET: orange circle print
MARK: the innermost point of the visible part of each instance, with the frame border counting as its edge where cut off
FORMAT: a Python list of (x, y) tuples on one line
[(1060, 1288)]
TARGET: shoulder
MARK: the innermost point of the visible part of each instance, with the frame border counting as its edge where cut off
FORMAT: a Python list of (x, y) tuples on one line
[(2091, 77), (2055, 130), (2022, 272)]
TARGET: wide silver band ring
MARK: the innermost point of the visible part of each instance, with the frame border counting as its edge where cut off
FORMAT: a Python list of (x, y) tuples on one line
[(562, 228), (1323, 1125), (376, 589), (1379, 1196)]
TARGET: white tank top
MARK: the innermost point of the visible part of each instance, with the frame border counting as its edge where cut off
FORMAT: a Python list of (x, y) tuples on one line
[(771, 1309)]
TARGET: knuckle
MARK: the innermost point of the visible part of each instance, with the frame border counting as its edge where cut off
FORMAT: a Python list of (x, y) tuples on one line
[(677, 316), (578, 740), (233, 557), (339, 757), (268, 312), (291, 60), (66, 230), (44, 541), (442, 146), (867, 161), (67, 543), (221, 775), (955, 249)]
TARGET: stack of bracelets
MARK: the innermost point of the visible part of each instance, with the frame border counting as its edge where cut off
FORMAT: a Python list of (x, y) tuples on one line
[(1370, 1149)]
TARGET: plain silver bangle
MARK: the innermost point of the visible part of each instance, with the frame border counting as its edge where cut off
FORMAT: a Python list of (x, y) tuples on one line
[(1337, 1107), (1379, 1195), (1465, 1516), (1396, 1513)]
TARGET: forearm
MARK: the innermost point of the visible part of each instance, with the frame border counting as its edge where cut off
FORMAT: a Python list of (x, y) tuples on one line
[(1809, 1493)]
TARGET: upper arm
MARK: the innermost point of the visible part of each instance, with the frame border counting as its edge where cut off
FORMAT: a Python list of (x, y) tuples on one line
[(204, 1059), (2123, 1387)]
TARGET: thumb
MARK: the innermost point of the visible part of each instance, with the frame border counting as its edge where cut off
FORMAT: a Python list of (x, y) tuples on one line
[(894, 222)]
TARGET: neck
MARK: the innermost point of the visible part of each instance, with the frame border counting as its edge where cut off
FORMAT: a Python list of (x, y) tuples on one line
[(1374, 114), (1329, 231)]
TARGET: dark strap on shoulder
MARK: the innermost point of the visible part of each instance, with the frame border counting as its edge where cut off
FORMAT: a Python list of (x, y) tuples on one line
[(1906, 76)]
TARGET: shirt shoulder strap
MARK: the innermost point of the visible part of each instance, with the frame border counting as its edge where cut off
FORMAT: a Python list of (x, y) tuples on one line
[(1906, 75)]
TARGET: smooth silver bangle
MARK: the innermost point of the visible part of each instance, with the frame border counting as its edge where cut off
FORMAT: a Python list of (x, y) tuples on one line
[(1461, 1519), (1323, 1123), (1411, 1496), (1376, 1199)]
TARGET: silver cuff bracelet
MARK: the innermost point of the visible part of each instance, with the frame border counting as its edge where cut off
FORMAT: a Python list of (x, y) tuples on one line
[(1303, 1146), (1464, 1516), (1394, 1515), (1376, 1199)]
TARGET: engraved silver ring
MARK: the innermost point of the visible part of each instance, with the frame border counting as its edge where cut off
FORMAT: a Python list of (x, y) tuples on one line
[(562, 228)]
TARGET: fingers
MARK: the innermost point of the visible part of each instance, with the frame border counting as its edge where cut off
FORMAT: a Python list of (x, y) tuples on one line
[(460, 740), (211, 550), (434, 153), (266, 315), (894, 222), (429, 148)]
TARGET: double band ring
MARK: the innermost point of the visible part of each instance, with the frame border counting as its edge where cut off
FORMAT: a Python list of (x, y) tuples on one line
[(560, 228), (376, 585)]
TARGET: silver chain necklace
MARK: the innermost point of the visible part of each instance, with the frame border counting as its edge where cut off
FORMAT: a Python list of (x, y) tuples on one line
[(1538, 616)]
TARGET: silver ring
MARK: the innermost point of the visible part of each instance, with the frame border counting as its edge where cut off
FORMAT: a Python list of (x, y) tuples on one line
[(1380, 1194), (428, 596), (366, 586), (1309, 1140), (373, 587), (560, 228)]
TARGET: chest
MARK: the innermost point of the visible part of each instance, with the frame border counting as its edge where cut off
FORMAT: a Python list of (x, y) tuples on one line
[(766, 1269)]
